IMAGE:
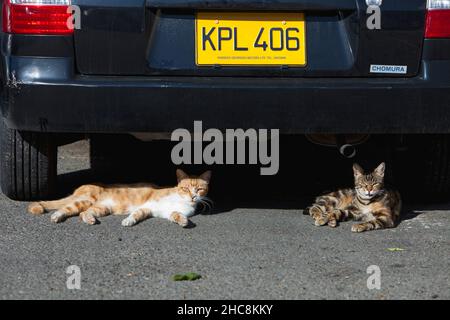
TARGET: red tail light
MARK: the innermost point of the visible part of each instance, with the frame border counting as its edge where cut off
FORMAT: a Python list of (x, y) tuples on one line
[(47, 17), (438, 19)]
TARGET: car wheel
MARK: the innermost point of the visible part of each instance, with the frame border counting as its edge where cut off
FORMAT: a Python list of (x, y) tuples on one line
[(28, 164)]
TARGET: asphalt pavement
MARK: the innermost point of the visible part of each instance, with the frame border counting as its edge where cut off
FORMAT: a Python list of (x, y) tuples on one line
[(259, 250)]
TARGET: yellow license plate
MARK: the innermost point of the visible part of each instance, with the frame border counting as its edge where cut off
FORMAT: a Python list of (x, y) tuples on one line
[(250, 39)]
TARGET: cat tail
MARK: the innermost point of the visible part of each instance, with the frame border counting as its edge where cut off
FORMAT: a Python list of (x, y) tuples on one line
[(45, 206)]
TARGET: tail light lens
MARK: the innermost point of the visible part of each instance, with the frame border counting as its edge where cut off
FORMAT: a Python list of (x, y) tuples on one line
[(438, 19), (48, 17)]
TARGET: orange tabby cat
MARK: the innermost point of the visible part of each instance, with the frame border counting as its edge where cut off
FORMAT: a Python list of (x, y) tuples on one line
[(139, 201)]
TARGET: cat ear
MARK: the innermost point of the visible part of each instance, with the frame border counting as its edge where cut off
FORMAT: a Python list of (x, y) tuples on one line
[(379, 171), (181, 175), (206, 176), (357, 170)]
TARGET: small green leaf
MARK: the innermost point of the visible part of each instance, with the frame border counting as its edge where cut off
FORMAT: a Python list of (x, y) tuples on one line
[(178, 277), (395, 249), (191, 276)]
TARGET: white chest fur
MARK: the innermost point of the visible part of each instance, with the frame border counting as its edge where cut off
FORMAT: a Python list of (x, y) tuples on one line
[(367, 214), (164, 207)]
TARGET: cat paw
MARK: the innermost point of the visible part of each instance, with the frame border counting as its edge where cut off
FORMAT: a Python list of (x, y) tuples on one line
[(184, 222), (58, 217), (88, 218), (36, 209), (332, 223), (179, 219), (320, 221), (359, 227), (129, 222)]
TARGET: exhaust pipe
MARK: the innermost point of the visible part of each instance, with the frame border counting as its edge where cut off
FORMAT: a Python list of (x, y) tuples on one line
[(346, 149), (345, 143)]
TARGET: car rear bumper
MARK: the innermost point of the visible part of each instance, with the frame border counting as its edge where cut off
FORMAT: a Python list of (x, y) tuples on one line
[(84, 104), (95, 104)]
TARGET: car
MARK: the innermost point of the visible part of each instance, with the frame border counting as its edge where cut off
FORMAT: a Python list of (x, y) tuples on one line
[(336, 71)]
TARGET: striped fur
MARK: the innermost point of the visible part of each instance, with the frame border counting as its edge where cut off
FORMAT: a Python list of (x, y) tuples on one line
[(375, 206)]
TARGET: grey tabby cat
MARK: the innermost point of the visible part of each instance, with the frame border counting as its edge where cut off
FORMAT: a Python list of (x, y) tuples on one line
[(375, 206)]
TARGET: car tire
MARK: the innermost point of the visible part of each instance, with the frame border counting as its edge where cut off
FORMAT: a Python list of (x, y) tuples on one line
[(28, 164), (422, 168)]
